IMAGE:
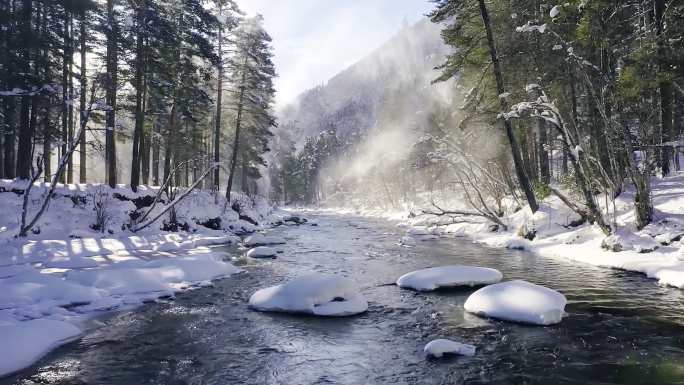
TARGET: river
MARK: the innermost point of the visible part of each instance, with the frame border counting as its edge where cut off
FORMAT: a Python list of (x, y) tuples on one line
[(621, 328)]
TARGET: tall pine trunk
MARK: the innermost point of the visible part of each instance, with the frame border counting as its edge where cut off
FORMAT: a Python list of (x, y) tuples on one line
[(219, 100), (9, 142), (139, 113), (542, 153), (24, 153), (65, 91), (145, 141), (155, 153), (515, 148), (112, 64), (70, 134), (665, 89), (236, 140), (82, 158)]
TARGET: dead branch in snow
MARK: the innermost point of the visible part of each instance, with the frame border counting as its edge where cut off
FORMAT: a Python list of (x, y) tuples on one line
[(175, 201)]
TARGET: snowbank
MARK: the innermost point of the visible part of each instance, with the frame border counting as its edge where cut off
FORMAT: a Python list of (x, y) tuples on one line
[(518, 301), (262, 252), (66, 270), (448, 276), (25, 342), (318, 294), (439, 347)]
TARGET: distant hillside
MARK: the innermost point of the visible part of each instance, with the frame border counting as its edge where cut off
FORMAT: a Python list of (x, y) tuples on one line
[(394, 78)]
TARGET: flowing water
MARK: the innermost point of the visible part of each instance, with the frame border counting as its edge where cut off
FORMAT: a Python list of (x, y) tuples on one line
[(620, 328)]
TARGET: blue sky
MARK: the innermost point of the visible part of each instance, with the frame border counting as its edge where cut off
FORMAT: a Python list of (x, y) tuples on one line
[(315, 39)]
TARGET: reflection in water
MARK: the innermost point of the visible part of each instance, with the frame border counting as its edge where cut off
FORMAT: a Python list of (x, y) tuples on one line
[(620, 328)]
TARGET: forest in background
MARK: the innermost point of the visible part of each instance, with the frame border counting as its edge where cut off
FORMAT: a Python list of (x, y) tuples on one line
[(185, 85), (578, 99)]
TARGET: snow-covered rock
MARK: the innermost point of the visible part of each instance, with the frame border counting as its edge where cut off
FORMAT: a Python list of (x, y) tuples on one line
[(259, 239), (318, 294), (448, 276), (518, 244), (25, 342), (439, 347), (421, 233), (518, 301), (262, 252)]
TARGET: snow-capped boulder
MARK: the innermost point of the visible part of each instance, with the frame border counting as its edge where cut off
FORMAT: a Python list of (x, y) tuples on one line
[(440, 347), (518, 244), (262, 252), (259, 239), (448, 276), (518, 301), (421, 233), (318, 294)]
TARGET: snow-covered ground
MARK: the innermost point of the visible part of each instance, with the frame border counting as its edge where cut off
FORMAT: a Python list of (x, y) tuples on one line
[(657, 250), (65, 272)]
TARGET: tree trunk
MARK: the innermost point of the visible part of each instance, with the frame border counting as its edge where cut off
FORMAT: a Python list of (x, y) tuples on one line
[(65, 90), (145, 140), (70, 134), (155, 153), (219, 99), (665, 89), (82, 163), (139, 113), (238, 122), (168, 148), (8, 145), (515, 148), (542, 153), (25, 129), (112, 64), (678, 117)]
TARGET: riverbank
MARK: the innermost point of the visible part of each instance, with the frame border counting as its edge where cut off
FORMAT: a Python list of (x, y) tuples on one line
[(656, 251), (82, 259)]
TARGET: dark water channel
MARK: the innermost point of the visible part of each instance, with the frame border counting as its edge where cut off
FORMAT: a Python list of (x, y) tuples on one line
[(621, 328)]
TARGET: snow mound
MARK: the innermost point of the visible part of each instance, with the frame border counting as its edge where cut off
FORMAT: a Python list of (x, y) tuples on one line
[(518, 301), (440, 347), (421, 233), (448, 276), (318, 294), (27, 341), (518, 244), (32, 287), (259, 239), (162, 276), (262, 252)]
